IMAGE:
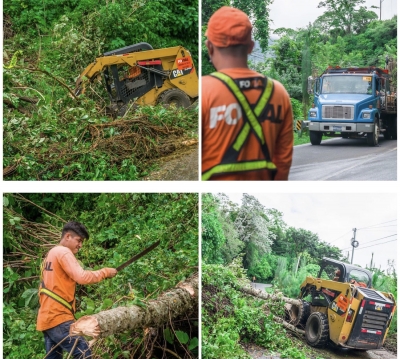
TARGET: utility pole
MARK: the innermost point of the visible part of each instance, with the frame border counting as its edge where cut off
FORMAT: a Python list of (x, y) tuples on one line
[(380, 9), (354, 244)]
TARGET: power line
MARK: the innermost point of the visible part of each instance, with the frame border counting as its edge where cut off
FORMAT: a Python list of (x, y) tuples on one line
[(340, 237), (393, 240), (373, 229), (381, 229), (374, 240), (377, 224)]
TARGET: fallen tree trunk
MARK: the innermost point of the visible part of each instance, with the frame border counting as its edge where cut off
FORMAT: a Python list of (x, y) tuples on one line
[(264, 295), (289, 326), (171, 304)]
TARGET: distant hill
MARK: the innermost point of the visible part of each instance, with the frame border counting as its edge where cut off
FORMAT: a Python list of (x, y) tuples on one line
[(257, 55)]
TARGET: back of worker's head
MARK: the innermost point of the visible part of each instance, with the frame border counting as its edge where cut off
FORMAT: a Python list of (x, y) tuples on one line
[(229, 27), (76, 228), (229, 37)]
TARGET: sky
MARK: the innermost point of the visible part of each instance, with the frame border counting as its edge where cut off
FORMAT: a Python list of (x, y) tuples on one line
[(333, 217), (295, 14)]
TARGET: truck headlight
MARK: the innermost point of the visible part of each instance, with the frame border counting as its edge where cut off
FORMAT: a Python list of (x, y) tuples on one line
[(313, 114), (366, 115)]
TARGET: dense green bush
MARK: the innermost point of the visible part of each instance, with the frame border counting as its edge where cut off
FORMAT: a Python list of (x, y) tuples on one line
[(53, 42), (231, 319), (120, 225)]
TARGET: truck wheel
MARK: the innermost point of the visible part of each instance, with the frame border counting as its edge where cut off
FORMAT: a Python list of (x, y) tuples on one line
[(373, 137), (315, 137), (299, 314), (317, 330), (176, 97)]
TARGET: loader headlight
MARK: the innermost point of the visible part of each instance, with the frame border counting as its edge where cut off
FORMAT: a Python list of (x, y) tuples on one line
[(313, 114), (366, 115)]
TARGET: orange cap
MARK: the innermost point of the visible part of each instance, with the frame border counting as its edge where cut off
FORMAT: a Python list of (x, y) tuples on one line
[(229, 26)]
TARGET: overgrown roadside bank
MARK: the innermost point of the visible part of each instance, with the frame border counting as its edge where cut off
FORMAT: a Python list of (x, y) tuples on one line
[(236, 325), (51, 133)]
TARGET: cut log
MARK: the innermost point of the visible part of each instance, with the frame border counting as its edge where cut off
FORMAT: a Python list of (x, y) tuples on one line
[(289, 326), (171, 304), (276, 297), (264, 295)]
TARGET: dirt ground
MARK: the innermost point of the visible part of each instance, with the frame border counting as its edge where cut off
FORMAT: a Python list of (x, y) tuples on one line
[(257, 352), (179, 166)]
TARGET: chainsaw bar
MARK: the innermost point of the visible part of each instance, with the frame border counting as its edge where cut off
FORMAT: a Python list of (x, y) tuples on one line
[(137, 256)]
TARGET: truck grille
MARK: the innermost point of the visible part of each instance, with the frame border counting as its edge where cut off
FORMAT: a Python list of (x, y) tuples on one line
[(374, 320), (338, 112)]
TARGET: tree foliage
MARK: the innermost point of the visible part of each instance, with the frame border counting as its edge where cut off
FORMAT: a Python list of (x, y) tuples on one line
[(347, 34), (257, 235), (344, 16), (120, 226), (48, 132), (258, 12)]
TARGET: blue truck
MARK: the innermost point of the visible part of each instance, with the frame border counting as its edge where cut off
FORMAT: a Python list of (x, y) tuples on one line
[(353, 103)]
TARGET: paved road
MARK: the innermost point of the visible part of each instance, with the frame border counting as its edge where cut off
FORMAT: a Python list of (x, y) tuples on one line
[(345, 160), (258, 352)]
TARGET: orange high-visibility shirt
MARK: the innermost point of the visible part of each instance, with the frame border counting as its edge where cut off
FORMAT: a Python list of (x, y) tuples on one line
[(221, 125), (60, 275)]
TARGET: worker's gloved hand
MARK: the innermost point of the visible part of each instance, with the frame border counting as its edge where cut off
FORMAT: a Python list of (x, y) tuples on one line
[(111, 272)]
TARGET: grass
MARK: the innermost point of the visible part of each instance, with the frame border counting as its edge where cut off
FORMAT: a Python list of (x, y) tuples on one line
[(304, 138), (301, 140)]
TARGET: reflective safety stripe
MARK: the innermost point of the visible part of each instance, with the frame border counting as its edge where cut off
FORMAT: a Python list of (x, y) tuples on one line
[(238, 167), (262, 102), (57, 298), (251, 122), (241, 138), (251, 115)]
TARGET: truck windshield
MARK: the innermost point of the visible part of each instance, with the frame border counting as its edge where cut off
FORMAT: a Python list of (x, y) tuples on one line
[(347, 84)]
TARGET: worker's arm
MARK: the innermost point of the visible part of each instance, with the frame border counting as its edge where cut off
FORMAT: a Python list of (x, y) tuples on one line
[(284, 143), (73, 269)]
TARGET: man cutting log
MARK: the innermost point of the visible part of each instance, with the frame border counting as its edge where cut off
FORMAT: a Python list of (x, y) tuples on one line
[(60, 273)]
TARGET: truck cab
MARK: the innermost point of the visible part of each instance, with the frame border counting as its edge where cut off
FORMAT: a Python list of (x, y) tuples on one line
[(349, 103)]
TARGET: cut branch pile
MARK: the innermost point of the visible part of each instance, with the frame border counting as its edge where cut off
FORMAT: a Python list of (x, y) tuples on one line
[(120, 139), (171, 304), (137, 136), (275, 297), (32, 235), (7, 27)]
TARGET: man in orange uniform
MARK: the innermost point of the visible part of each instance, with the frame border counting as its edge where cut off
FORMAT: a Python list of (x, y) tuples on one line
[(60, 274), (247, 120)]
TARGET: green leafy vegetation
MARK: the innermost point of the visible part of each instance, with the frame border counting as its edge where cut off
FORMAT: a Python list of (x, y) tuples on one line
[(249, 240), (231, 319), (346, 34), (48, 132), (259, 233), (120, 226)]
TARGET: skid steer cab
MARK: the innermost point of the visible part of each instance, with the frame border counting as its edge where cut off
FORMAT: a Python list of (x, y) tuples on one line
[(344, 310), (144, 75)]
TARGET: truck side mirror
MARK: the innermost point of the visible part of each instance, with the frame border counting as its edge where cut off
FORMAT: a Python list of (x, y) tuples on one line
[(310, 84), (317, 82)]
